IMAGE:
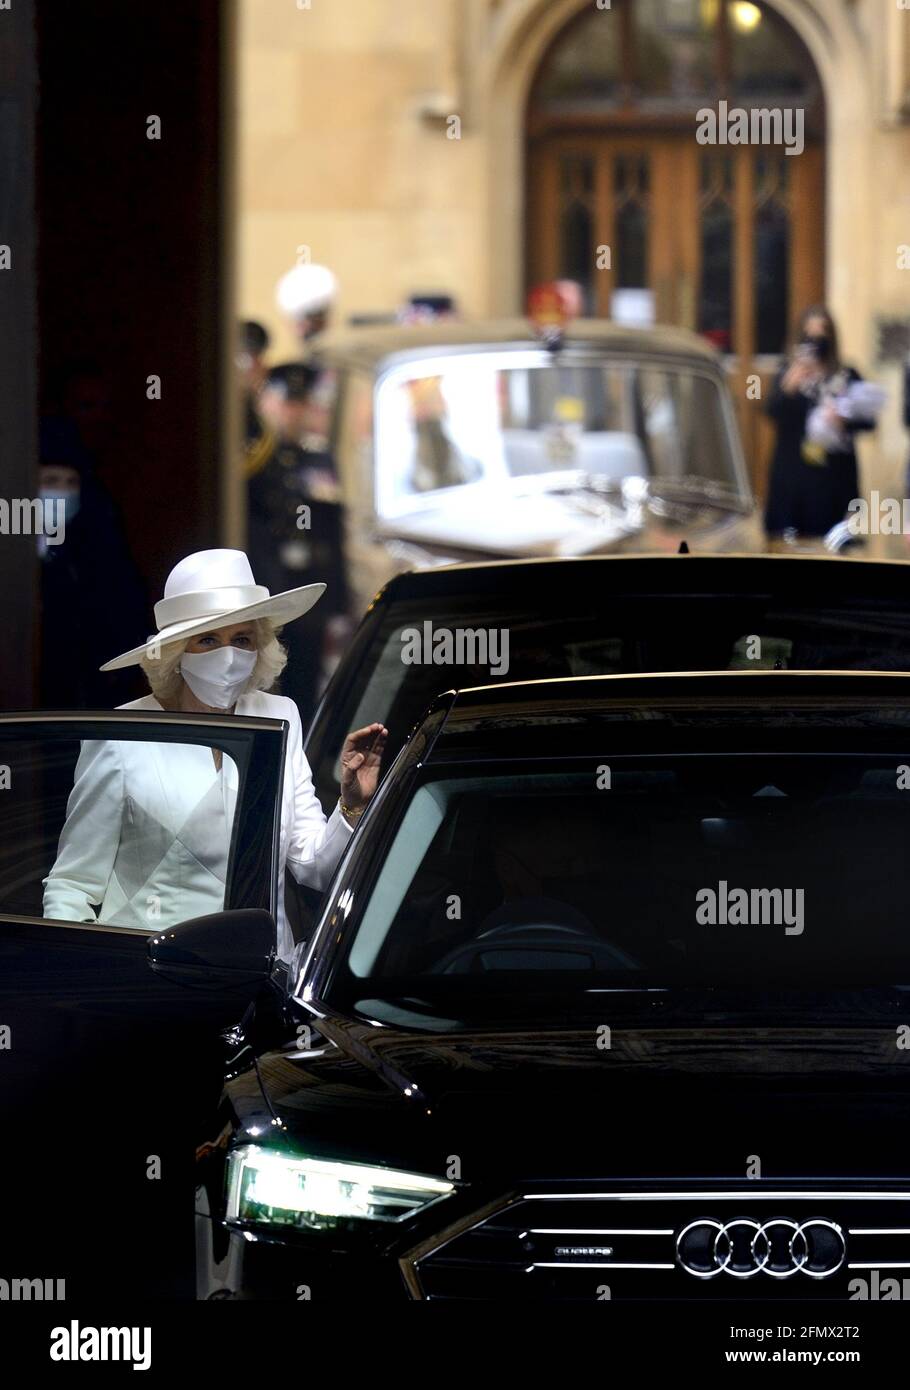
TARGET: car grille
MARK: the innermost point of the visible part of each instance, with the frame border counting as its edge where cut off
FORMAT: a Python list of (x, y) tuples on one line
[(740, 1243)]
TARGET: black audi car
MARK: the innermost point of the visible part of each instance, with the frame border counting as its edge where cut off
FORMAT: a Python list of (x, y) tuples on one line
[(609, 999)]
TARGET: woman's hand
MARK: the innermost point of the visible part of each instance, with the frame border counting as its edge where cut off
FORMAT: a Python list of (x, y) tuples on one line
[(360, 759), (800, 372)]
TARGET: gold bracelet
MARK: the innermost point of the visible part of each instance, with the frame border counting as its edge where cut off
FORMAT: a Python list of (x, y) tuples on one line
[(348, 811)]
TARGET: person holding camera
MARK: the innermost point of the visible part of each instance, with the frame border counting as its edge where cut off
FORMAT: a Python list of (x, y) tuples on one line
[(818, 405)]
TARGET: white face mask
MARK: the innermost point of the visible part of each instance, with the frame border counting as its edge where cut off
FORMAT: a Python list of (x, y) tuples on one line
[(218, 677)]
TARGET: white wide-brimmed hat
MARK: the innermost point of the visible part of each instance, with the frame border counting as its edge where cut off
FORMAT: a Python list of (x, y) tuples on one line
[(215, 588)]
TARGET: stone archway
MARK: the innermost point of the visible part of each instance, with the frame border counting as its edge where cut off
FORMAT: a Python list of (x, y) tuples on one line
[(517, 34)]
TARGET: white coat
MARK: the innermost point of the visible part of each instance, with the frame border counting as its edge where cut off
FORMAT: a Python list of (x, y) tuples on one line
[(148, 829)]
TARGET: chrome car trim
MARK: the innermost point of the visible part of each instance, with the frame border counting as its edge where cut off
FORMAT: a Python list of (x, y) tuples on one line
[(879, 1231), (110, 928), (599, 1231), (593, 1264), (149, 717), (440, 1239), (431, 1245), (878, 1264), (788, 1194)]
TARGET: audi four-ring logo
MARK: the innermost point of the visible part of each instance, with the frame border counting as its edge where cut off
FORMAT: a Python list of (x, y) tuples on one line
[(744, 1248)]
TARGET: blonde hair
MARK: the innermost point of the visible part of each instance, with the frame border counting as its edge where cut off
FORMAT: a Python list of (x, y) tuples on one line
[(163, 671)]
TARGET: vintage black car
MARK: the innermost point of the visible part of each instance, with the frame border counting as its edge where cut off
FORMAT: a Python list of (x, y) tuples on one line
[(609, 999)]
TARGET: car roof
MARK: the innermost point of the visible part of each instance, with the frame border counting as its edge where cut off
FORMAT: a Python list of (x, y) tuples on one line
[(366, 347), (647, 573), (497, 720)]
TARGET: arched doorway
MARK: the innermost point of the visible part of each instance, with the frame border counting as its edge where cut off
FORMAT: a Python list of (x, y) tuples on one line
[(724, 238)]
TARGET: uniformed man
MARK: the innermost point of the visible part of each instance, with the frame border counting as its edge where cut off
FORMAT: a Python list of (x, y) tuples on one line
[(307, 294), (295, 522)]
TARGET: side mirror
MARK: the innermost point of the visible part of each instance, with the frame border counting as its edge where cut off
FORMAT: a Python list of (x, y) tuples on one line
[(224, 951)]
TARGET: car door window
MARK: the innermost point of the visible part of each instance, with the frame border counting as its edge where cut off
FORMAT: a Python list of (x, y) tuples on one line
[(138, 831)]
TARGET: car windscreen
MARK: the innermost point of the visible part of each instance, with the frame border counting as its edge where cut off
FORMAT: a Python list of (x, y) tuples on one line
[(506, 886), (496, 417)]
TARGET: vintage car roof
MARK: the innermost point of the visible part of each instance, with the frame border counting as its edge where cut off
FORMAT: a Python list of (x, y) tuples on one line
[(366, 347)]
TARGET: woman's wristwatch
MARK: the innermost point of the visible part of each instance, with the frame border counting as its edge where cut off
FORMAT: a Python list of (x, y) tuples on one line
[(351, 814)]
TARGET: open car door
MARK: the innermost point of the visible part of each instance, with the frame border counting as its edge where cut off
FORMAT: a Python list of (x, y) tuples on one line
[(109, 1069)]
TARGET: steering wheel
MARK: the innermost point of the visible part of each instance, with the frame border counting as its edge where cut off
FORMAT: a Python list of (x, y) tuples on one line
[(524, 936)]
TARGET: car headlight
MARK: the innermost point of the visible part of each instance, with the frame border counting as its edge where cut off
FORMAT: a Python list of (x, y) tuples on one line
[(271, 1187)]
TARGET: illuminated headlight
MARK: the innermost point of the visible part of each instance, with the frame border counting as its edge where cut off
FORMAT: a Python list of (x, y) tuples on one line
[(269, 1187)]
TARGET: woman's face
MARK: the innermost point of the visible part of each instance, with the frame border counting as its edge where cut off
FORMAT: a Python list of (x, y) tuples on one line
[(817, 327), (242, 635), (58, 477)]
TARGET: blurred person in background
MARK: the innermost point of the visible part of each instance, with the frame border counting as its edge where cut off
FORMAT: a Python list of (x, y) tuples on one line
[(907, 418), (306, 295), (85, 397), (295, 527), (573, 297), (258, 441), (91, 592), (427, 308), (818, 405), (252, 348)]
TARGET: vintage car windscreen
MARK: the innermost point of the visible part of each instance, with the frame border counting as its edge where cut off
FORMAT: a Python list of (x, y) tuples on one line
[(636, 874), (532, 420)]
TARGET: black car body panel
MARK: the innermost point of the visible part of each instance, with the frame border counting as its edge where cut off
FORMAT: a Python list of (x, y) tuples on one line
[(612, 615)]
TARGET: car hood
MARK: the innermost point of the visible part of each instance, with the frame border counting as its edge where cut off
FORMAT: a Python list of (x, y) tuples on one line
[(511, 525), (547, 523), (805, 1098)]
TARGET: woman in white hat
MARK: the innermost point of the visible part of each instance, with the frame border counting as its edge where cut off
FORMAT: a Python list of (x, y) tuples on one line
[(147, 832)]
